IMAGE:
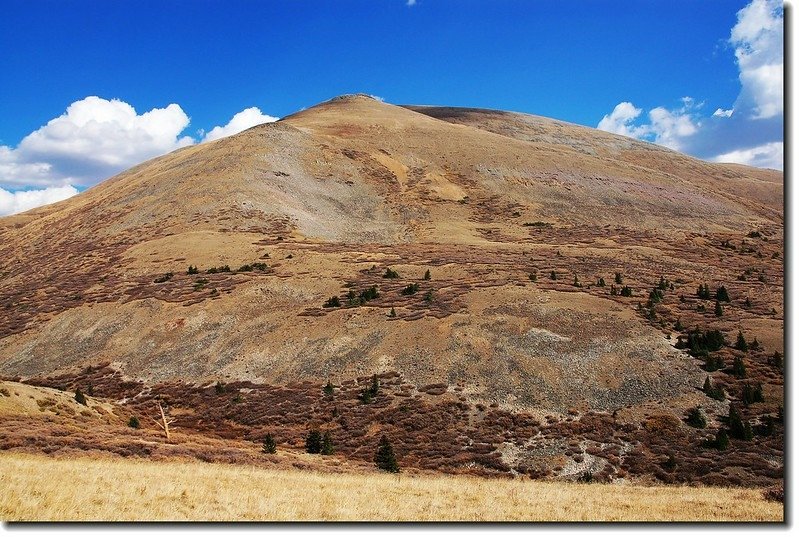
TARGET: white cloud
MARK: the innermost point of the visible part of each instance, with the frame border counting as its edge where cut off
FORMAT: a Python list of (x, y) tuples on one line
[(764, 156), (93, 139), (17, 202), (410, 3), (249, 117), (748, 133), (620, 121), (758, 42)]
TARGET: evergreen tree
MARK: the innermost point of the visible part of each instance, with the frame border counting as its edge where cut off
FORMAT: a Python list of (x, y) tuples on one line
[(392, 313), (327, 444), (533, 277), (601, 282), (80, 398), (391, 274), (618, 278), (192, 270), (613, 290), (576, 282), (722, 295), (269, 445), (663, 284), (427, 274), (738, 428), (722, 441), (741, 343), (718, 311), (553, 276), (133, 422), (776, 360), (738, 368), (332, 302), (313, 442), (626, 291), (384, 458), (678, 326)]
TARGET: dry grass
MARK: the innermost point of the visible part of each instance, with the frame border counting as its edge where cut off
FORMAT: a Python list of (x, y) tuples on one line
[(46, 489)]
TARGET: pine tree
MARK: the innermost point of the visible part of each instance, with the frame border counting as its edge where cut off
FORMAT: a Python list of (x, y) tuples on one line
[(80, 398), (553, 276), (392, 313), (722, 295), (427, 274), (741, 343), (384, 458), (601, 282), (327, 444), (313, 442), (738, 428), (618, 278), (718, 310), (738, 368), (722, 441), (269, 445)]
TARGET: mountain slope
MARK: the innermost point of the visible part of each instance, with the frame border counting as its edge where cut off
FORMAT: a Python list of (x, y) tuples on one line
[(331, 197)]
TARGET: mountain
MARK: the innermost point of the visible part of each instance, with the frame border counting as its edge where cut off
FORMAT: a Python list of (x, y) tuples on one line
[(329, 198), (564, 264)]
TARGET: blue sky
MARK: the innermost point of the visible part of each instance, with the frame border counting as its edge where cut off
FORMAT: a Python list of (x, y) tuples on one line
[(625, 66)]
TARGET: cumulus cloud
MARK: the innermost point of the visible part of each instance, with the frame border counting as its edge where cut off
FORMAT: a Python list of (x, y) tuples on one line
[(763, 156), (620, 121), (750, 132), (93, 139), (17, 202), (410, 3), (249, 117)]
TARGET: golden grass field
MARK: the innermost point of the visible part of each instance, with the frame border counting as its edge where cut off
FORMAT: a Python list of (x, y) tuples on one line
[(40, 488)]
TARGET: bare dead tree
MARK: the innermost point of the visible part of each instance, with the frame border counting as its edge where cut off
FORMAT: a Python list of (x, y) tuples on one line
[(163, 422)]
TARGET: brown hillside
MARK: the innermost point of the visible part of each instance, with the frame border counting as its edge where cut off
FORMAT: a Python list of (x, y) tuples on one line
[(322, 203)]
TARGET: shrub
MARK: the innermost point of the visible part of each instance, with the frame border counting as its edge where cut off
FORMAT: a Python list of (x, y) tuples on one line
[(392, 313), (678, 326), (385, 458), (713, 362), (220, 387), (655, 295), (618, 278), (663, 284), (703, 292), (327, 444), (133, 422), (369, 294), (411, 289), (80, 398), (428, 296), (165, 278), (721, 442), (214, 270), (269, 445), (328, 389), (776, 360), (600, 282), (533, 277), (392, 274), (192, 270), (332, 302), (553, 276), (626, 291), (696, 418), (313, 442), (427, 274)]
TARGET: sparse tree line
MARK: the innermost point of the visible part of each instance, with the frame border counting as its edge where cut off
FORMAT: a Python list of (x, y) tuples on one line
[(194, 270), (354, 299)]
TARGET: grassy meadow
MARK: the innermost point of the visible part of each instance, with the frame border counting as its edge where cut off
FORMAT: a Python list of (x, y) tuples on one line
[(41, 488)]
